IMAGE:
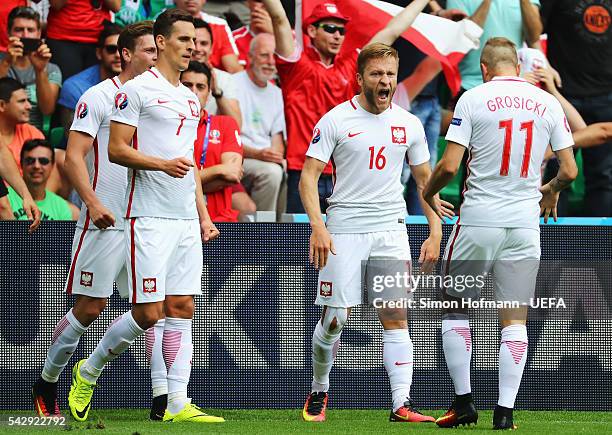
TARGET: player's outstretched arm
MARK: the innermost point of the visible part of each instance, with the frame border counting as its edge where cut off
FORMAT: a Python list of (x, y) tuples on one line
[(593, 135), (568, 171), (121, 152), (10, 172), (208, 230), (320, 240), (443, 173), (79, 144), (399, 23), (285, 45)]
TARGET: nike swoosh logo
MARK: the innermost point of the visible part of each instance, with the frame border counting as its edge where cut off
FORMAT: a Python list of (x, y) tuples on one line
[(397, 363), (162, 101), (354, 134), (82, 413)]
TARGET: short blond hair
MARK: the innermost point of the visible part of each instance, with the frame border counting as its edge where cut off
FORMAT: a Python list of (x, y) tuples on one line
[(499, 51), (377, 50)]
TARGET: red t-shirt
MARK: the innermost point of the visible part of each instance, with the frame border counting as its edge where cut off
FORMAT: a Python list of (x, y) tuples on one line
[(77, 21), (310, 90), (243, 38), (6, 6), (223, 137), (223, 41)]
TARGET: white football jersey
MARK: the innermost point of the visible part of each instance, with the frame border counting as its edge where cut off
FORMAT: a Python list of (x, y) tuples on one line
[(166, 119), (367, 153), (108, 180), (506, 124)]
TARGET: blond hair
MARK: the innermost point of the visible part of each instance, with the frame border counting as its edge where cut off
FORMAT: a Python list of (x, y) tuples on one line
[(499, 51), (377, 50)]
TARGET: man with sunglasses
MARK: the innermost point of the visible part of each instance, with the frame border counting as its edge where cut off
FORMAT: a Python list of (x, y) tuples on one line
[(37, 161), (317, 78), (27, 60)]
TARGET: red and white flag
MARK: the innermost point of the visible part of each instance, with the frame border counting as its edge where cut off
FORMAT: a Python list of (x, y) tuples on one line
[(445, 40)]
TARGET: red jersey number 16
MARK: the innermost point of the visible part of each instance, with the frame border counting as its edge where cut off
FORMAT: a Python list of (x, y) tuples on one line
[(377, 159)]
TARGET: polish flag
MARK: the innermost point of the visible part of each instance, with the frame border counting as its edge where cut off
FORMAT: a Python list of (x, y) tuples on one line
[(442, 39)]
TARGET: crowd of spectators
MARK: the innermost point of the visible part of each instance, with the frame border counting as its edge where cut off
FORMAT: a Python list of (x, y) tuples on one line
[(263, 91)]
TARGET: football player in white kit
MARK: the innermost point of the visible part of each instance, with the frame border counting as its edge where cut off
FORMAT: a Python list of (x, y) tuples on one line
[(367, 138), (505, 124), (99, 231), (153, 129)]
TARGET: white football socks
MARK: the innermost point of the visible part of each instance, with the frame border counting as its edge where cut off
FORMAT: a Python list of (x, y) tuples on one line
[(177, 348), (324, 349), (153, 347), (457, 344), (398, 357), (64, 341), (118, 337), (512, 358)]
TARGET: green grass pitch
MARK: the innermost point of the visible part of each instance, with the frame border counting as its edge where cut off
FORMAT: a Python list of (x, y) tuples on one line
[(277, 422)]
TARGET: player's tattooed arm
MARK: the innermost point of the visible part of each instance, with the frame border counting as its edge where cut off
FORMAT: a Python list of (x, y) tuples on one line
[(568, 171), (442, 174)]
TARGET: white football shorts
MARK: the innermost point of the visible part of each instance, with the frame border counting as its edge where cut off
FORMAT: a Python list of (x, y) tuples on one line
[(340, 282), (98, 260), (164, 258), (512, 255)]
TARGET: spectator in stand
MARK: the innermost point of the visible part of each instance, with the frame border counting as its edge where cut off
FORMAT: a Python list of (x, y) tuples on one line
[(260, 22), (134, 11), (10, 172), (580, 48), (519, 21), (14, 117), (261, 103), (224, 54), (317, 78), (223, 88), (41, 78), (73, 29), (109, 65), (6, 6), (37, 160), (220, 8), (217, 150)]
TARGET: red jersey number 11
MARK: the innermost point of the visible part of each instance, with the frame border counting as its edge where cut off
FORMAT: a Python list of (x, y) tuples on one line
[(505, 165)]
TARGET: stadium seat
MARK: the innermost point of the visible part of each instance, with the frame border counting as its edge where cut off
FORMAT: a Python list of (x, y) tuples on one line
[(577, 189), (55, 136)]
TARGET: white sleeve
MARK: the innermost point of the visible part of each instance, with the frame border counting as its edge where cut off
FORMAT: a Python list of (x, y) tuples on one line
[(89, 114), (228, 86), (128, 104), (460, 128), (324, 139), (418, 153), (561, 135)]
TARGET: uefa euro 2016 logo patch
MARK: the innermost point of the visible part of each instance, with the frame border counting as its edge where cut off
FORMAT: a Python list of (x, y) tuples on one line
[(82, 110), (121, 101), (316, 135)]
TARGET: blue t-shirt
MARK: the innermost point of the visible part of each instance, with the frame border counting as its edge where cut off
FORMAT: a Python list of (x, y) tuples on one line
[(76, 86)]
